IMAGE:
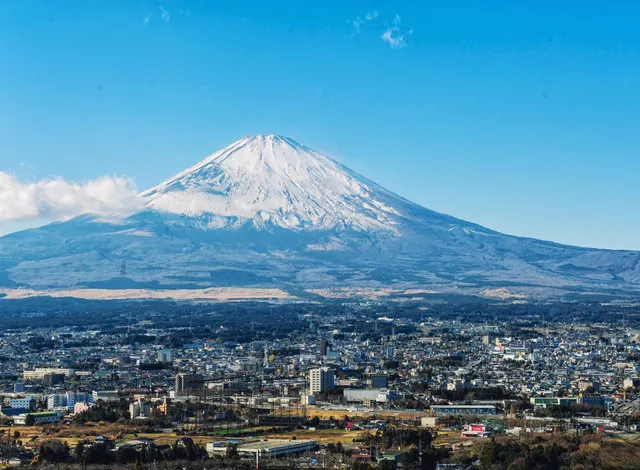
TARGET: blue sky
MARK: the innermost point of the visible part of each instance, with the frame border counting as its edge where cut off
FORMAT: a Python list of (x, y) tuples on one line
[(520, 116)]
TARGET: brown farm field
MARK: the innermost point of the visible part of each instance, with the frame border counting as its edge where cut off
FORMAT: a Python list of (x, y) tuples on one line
[(381, 414), (322, 436), (34, 436)]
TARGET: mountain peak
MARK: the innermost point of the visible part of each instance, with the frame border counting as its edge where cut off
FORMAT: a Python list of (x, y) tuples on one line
[(259, 144), (271, 180), (259, 141), (270, 138)]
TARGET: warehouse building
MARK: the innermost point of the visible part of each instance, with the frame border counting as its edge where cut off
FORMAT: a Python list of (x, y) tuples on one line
[(257, 448)]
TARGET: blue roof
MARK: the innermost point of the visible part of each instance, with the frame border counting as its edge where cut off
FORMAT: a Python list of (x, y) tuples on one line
[(13, 411)]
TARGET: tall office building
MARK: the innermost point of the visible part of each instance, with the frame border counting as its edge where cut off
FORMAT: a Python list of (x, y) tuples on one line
[(321, 380)]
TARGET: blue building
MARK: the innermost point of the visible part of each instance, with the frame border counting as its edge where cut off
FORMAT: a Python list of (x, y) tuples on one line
[(379, 381), (591, 401)]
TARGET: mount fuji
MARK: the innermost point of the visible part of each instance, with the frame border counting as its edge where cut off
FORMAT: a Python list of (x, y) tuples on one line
[(268, 212)]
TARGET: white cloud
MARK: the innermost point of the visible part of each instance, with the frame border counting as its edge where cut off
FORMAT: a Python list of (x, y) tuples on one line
[(165, 15), (57, 199), (357, 22), (394, 36), (372, 15)]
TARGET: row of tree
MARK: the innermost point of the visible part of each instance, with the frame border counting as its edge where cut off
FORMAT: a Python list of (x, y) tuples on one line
[(87, 453)]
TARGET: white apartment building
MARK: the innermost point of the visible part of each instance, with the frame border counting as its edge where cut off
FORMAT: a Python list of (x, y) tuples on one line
[(39, 372), (321, 380)]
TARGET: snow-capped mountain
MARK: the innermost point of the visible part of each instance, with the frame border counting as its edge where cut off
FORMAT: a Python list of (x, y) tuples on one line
[(272, 181), (267, 211)]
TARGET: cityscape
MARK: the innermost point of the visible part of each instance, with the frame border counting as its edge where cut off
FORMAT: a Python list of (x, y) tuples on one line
[(411, 384)]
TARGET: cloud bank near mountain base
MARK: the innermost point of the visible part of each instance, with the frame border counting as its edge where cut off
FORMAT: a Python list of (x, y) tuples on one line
[(58, 199)]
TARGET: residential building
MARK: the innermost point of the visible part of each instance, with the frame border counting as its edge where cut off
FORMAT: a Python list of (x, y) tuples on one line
[(324, 347), (68, 400), (53, 379), (378, 381), (27, 402), (80, 407), (631, 382), (165, 356), (39, 372), (321, 380), (390, 352), (187, 382), (105, 395), (139, 410), (38, 418), (589, 385)]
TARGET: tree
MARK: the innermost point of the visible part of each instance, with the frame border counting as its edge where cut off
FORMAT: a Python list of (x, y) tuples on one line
[(54, 451), (149, 454), (29, 420), (360, 466), (126, 454), (387, 465), (232, 452), (185, 448), (487, 454), (410, 457), (78, 452), (98, 454)]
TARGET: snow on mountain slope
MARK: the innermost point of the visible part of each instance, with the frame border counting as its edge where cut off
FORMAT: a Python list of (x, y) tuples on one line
[(269, 212), (272, 181)]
